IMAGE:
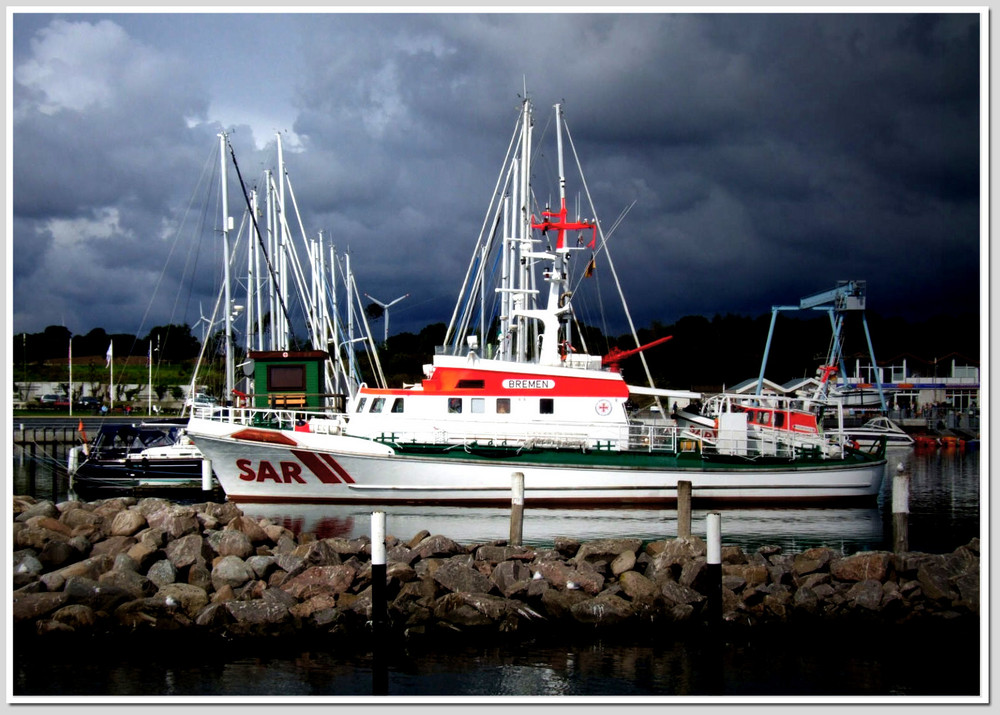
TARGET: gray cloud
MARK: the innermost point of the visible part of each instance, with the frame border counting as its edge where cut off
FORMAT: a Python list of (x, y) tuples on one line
[(768, 155)]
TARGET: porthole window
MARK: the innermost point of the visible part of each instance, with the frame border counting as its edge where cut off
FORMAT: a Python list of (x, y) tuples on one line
[(546, 406), (503, 405), (455, 405), (478, 405)]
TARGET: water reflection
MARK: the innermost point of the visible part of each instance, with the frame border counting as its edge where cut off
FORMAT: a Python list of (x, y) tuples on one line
[(848, 529)]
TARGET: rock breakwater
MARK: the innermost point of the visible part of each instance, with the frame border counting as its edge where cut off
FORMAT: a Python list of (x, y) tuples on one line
[(122, 566)]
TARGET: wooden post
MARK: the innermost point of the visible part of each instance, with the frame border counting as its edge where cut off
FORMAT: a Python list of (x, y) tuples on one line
[(901, 511), (714, 567), (683, 510), (516, 508), (380, 614)]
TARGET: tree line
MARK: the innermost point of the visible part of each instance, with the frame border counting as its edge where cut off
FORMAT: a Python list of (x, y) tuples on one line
[(702, 354)]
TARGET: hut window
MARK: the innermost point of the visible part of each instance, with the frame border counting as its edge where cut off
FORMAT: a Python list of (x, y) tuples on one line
[(454, 405), (397, 405), (546, 406)]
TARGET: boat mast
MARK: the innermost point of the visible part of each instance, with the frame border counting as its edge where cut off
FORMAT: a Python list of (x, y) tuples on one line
[(226, 225)]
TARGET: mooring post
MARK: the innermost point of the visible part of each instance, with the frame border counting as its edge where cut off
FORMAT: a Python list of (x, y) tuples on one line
[(516, 508), (380, 672), (714, 567), (901, 510), (683, 510), (206, 475)]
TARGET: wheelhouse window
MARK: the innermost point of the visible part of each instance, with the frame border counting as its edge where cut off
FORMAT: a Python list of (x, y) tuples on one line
[(286, 377), (377, 404), (361, 404), (503, 405), (454, 405), (397, 405), (478, 405), (471, 384), (546, 406)]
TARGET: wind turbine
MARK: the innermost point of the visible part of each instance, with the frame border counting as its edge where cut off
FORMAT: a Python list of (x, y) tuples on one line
[(385, 308), (209, 324)]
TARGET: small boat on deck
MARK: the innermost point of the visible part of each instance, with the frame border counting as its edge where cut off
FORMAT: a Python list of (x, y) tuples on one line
[(141, 457)]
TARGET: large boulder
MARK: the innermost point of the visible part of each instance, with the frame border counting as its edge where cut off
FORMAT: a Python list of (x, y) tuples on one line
[(230, 571), (603, 610), (127, 523), (162, 572), (460, 578), (812, 560), (862, 566), (32, 606), (638, 588), (437, 546), (866, 594), (175, 521), (606, 549), (185, 551), (190, 599), (510, 577), (248, 526), (320, 579)]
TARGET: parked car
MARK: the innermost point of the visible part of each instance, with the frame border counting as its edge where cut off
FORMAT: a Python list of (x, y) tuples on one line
[(54, 402), (89, 403)]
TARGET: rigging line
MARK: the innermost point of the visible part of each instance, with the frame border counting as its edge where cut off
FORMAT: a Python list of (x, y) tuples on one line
[(507, 167), (603, 246), (256, 228), (166, 263), (614, 273)]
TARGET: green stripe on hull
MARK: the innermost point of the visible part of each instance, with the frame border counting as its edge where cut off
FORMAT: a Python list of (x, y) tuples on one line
[(693, 461)]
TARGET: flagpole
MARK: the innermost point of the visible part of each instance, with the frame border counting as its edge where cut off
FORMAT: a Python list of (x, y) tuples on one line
[(111, 378), (70, 376), (149, 395)]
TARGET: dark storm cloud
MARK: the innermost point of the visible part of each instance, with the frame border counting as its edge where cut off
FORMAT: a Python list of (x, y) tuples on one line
[(768, 155)]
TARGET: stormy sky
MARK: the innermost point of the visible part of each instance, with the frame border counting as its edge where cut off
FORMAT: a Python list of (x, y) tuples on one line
[(765, 156)]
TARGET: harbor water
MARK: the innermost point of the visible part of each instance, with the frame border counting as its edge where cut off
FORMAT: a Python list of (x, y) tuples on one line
[(769, 662)]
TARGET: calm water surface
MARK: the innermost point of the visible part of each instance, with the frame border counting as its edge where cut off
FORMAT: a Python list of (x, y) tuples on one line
[(944, 514)]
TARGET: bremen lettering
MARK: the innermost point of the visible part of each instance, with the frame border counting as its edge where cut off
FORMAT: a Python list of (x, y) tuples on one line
[(527, 384)]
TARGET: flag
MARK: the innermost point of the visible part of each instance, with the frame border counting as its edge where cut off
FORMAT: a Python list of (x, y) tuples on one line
[(590, 268), (109, 355)]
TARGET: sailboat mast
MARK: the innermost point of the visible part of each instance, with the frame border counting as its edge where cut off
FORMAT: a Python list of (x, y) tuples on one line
[(226, 221)]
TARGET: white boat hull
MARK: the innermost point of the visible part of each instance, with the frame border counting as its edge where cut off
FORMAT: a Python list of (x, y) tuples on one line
[(336, 468)]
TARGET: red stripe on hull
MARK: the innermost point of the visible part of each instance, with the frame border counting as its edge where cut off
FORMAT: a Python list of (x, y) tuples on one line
[(267, 436)]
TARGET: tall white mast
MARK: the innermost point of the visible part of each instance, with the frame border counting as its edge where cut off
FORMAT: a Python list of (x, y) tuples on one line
[(228, 306), (272, 243), (251, 272), (350, 320), (283, 257)]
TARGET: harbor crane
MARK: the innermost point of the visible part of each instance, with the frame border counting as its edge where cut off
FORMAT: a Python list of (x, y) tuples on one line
[(847, 296)]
